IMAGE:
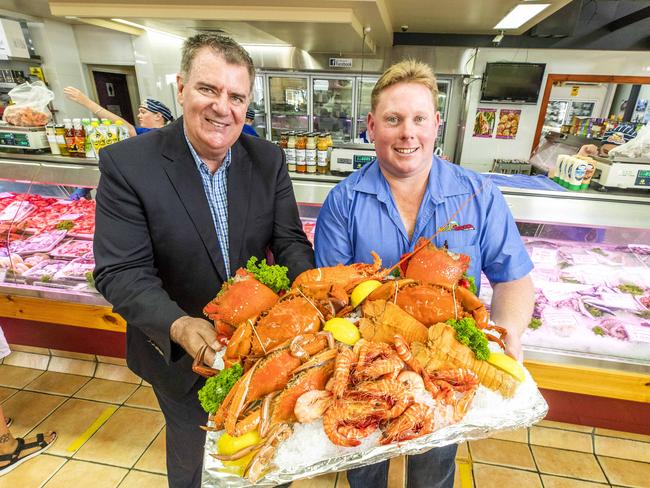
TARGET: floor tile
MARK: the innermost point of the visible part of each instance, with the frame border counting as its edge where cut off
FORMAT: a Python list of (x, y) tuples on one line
[(323, 481), (557, 482), (73, 355), (143, 397), (622, 448), (27, 360), (106, 391), (153, 458), (139, 479), (622, 435), (33, 472), (519, 435), (72, 366), (57, 383), (342, 480), (116, 373), (573, 464), (112, 360), (32, 349), (15, 377), (123, 438), (505, 453), (486, 476), (463, 451), (397, 472), (28, 409), (626, 473), (75, 471), (70, 421), (576, 441), (6, 393), (565, 426)]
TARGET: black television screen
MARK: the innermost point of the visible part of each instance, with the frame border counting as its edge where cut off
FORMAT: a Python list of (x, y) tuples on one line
[(512, 82)]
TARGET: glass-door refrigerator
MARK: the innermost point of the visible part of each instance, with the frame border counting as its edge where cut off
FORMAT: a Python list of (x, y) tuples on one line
[(444, 94), (332, 106), (258, 105), (364, 89), (556, 114), (289, 104)]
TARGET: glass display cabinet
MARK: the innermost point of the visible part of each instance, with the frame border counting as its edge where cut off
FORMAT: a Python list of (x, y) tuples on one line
[(289, 103), (332, 100)]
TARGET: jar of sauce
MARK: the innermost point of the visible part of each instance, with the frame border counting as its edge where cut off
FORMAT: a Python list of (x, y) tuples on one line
[(290, 151), (310, 153), (301, 156), (322, 165)]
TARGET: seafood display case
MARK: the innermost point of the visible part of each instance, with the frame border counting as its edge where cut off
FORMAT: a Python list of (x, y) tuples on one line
[(592, 278)]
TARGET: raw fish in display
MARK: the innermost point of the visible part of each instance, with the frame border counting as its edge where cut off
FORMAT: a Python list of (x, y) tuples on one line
[(45, 269), (43, 242), (72, 248), (76, 269)]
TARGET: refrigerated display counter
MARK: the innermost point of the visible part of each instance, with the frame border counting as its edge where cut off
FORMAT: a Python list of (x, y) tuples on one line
[(590, 336)]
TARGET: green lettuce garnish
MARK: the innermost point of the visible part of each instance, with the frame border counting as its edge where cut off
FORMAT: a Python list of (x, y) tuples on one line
[(216, 388), (274, 276), (469, 334)]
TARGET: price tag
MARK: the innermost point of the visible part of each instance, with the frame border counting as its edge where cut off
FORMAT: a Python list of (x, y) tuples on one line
[(545, 257), (70, 216), (638, 334), (585, 259), (560, 319)]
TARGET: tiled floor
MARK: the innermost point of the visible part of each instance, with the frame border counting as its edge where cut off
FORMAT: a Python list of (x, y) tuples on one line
[(111, 434)]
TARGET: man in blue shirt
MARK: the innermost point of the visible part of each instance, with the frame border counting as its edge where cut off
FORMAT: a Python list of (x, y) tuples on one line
[(408, 193), (248, 126)]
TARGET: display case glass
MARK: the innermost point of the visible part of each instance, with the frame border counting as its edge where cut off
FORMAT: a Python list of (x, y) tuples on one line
[(258, 105), (364, 90), (332, 106), (289, 102)]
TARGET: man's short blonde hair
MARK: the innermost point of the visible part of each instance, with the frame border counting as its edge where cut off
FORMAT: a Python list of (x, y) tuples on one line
[(407, 71)]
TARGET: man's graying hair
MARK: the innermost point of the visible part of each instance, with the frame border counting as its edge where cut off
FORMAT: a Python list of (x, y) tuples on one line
[(232, 52)]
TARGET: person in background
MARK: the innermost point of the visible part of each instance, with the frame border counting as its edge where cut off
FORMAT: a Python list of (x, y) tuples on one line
[(15, 450), (408, 193), (248, 125), (621, 134), (179, 210), (152, 113)]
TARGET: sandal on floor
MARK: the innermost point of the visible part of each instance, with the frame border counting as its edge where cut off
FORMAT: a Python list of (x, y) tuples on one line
[(15, 458), (9, 421)]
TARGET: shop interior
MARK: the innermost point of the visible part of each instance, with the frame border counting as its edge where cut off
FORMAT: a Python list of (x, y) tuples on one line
[(514, 102)]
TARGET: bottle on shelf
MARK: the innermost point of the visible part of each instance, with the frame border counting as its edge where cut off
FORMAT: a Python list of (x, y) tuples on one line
[(79, 138), (322, 166), (122, 131), (88, 146), (50, 132), (290, 151), (97, 138), (301, 156), (111, 132), (70, 141), (59, 130), (310, 153)]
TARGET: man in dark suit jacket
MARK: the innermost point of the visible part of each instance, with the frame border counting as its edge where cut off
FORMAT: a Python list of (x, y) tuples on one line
[(178, 211)]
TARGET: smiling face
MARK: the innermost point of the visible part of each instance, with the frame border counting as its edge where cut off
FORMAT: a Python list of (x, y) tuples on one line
[(404, 126), (214, 95), (149, 120)]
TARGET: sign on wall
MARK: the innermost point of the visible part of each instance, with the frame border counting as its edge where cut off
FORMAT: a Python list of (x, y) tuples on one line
[(508, 123), (340, 62), (484, 122)]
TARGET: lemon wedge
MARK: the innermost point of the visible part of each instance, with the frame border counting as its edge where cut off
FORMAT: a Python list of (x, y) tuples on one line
[(362, 290), (507, 364), (228, 444), (343, 330)]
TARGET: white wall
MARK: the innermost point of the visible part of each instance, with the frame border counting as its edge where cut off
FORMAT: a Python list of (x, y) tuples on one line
[(56, 44), (478, 153), (102, 46)]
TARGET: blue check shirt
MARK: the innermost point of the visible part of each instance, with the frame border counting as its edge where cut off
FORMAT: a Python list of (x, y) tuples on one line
[(216, 190), (359, 215)]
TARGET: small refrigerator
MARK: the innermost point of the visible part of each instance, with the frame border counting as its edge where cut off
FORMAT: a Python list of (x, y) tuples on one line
[(289, 103)]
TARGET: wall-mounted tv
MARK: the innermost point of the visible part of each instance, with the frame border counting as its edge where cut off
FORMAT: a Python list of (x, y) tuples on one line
[(512, 82)]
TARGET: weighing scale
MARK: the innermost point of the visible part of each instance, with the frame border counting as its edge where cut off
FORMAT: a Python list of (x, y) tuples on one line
[(27, 138), (623, 172), (347, 158)]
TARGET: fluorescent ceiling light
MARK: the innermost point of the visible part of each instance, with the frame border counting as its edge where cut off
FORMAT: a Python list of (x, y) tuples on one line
[(148, 29), (521, 14)]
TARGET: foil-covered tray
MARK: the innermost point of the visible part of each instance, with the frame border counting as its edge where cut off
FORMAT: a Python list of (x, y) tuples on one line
[(309, 453)]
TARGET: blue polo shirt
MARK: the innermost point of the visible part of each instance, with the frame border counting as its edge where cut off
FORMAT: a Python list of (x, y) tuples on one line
[(359, 215)]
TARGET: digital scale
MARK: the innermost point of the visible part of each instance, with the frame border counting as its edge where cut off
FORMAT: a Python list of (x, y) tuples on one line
[(623, 173), (27, 138), (348, 158)]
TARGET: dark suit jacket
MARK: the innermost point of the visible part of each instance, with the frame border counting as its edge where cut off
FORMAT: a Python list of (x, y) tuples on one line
[(156, 248)]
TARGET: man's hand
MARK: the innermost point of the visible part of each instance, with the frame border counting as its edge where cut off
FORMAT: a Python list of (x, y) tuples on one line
[(514, 348), (75, 95), (512, 307), (192, 334)]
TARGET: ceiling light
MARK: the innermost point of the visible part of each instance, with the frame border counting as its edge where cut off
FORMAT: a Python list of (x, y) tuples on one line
[(148, 29), (520, 15)]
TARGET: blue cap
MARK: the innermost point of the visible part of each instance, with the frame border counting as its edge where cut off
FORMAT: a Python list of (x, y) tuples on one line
[(250, 113), (158, 108)]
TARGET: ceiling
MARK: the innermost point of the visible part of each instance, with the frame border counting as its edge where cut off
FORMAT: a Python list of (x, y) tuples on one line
[(315, 26)]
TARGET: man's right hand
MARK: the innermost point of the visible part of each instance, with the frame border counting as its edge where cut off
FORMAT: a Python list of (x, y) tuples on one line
[(194, 333)]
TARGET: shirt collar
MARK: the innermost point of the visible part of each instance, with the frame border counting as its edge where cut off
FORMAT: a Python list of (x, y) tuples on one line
[(445, 182), (199, 162)]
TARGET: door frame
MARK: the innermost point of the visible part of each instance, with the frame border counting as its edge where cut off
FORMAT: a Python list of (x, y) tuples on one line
[(551, 79), (131, 82)]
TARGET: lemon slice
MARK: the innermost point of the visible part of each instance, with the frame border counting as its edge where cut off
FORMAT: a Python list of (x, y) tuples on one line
[(228, 444), (507, 364), (343, 330), (362, 290)]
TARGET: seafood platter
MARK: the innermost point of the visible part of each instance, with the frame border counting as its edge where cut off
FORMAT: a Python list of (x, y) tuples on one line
[(351, 365)]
